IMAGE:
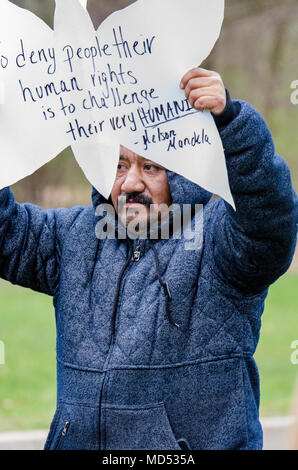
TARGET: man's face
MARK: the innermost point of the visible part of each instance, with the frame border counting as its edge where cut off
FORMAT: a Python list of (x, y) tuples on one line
[(139, 183)]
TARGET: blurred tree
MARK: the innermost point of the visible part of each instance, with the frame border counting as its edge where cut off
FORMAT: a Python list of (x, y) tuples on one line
[(99, 10), (42, 8), (282, 16)]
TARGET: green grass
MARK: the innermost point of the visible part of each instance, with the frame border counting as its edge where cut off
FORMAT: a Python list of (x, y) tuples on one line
[(284, 129), (28, 379), (273, 356)]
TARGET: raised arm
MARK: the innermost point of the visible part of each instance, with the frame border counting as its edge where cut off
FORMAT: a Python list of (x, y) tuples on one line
[(253, 246), (31, 241)]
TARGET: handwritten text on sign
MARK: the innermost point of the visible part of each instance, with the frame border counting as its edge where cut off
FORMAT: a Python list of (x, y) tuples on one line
[(119, 85)]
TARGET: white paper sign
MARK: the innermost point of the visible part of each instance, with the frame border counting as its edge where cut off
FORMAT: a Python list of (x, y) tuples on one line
[(95, 90)]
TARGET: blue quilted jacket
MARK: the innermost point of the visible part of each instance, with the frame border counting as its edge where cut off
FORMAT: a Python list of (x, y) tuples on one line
[(128, 377)]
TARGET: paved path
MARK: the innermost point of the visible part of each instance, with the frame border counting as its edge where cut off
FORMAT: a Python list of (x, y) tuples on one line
[(277, 436), (29, 440)]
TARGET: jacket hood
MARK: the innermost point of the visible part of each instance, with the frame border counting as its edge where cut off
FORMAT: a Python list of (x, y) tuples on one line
[(183, 191)]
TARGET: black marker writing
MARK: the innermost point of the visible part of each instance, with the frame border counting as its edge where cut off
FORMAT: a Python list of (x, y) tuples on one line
[(164, 113), (48, 114), (78, 131), (193, 141), (37, 57), (155, 137), (89, 53), (3, 61), (120, 122), (111, 76), (52, 88), (127, 50), (67, 108), (92, 102)]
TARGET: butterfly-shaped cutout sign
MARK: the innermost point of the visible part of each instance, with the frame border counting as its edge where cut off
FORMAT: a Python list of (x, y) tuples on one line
[(95, 90)]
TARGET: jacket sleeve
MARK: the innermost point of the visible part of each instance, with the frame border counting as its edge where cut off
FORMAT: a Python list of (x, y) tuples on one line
[(254, 246), (31, 242)]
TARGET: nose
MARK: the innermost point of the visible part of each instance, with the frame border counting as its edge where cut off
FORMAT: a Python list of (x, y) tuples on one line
[(133, 182)]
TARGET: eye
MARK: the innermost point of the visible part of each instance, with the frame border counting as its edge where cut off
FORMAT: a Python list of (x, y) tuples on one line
[(151, 167), (121, 166)]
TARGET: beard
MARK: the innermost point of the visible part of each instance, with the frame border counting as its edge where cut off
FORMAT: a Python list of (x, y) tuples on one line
[(134, 219)]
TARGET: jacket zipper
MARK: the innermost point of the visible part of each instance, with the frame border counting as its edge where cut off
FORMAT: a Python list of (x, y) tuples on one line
[(133, 256), (137, 252), (62, 435)]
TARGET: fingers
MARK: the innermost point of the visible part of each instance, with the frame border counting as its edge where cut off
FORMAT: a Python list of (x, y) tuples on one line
[(204, 89), (203, 94), (213, 82), (208, 102), (197, 93), (195, 73)]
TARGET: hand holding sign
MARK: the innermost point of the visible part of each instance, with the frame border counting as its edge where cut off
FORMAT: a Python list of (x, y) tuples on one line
[(204, 90), (97, 90)]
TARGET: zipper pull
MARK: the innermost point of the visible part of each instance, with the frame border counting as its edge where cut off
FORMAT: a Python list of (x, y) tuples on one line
[(65, 429), (137, 253)]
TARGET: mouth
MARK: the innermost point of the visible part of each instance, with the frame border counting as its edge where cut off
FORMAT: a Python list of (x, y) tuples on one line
[(134, 202), (131, 203)]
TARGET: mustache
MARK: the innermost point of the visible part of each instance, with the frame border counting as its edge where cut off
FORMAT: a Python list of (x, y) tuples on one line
[(137, 198)]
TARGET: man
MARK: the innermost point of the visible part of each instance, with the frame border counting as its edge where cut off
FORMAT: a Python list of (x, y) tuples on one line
[(155, 343)]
